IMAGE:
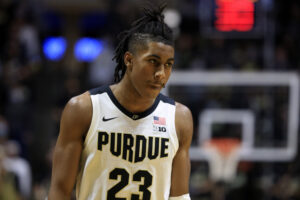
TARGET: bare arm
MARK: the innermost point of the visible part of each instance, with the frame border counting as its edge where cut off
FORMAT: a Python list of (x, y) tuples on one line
[(74, 124), (181, 163)]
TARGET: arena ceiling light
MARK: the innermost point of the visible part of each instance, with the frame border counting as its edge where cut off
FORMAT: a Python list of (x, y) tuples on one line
[(54, 48), (87, 49)]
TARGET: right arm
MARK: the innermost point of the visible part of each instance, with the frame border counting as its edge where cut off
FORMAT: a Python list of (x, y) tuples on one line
[(75, 122)]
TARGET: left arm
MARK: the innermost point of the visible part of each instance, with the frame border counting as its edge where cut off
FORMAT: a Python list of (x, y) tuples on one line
[(181, 163)]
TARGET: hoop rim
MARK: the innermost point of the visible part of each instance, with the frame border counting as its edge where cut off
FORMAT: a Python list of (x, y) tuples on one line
[(224, 146)]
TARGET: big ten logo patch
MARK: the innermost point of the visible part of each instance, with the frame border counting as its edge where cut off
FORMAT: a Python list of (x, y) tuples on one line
[(159, 129), (159, 124)]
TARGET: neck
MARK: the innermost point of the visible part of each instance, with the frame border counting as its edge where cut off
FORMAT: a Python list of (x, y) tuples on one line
[(129, 97)]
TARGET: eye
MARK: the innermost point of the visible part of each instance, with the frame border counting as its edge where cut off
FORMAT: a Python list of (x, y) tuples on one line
[(152, 61), (169, 64)]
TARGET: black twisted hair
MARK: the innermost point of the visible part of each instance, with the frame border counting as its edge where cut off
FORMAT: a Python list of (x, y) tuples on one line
[(150, 27)]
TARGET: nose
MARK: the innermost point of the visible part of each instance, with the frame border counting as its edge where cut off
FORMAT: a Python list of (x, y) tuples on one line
[(159, 73)]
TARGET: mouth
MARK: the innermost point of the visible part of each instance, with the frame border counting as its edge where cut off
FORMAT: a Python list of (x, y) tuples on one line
[(157, 85)]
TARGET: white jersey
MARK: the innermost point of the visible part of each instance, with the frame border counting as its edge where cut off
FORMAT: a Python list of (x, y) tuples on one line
[(127, 156)]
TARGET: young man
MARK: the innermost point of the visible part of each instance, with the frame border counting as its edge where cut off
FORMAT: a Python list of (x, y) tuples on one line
[(127, 141)]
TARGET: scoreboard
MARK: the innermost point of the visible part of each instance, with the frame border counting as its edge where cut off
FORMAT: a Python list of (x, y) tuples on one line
[(233, 18), (234, 15)]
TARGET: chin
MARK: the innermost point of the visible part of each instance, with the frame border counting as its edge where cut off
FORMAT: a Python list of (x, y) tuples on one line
[(152, 93)]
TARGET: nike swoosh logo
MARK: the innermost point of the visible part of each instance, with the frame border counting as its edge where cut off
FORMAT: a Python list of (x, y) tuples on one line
[(108, 119)]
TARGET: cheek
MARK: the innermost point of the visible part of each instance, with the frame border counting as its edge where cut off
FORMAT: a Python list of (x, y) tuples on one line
[(168, 73), (141, 73), (145, 71)]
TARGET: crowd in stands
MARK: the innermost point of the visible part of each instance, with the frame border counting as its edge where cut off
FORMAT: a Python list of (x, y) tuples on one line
[(34, 90)]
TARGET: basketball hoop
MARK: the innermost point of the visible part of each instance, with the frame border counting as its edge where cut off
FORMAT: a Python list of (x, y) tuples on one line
[(223, 158)]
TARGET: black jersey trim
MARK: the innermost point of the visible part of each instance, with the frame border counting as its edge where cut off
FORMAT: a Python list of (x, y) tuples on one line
[(134, 116), (98, 90), (166, 99)]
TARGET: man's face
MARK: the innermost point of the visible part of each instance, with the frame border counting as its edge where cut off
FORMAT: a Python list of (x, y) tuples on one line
[(151, 68)]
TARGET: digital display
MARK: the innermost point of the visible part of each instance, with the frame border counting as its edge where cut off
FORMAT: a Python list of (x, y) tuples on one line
[(234, 15), (233, 18)]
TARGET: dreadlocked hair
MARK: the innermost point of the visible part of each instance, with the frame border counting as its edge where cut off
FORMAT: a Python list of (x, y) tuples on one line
[(150, 27)]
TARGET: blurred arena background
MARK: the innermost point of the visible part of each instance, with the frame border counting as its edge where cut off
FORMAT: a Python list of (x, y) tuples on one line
[(237, 68)]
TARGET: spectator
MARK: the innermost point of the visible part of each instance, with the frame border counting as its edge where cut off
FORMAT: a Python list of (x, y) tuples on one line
[(7, 181), (20, 167)]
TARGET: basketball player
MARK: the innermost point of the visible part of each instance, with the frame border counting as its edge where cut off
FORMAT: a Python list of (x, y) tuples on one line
[(127, 141)]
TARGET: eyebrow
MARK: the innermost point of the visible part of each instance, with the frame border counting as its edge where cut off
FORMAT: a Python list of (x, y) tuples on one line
[(158, 57)]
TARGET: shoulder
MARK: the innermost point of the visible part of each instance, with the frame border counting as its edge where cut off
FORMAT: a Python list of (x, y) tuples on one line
[(182, 109), (81, 103), (184, 123), (78, 112)]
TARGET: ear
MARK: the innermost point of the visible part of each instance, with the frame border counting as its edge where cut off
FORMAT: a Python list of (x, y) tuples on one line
[(128, 58)]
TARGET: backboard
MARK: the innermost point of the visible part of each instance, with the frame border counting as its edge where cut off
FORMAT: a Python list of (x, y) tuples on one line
[(265, 105)]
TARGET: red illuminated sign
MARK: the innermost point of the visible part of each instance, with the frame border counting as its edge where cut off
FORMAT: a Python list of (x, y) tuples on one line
[(234, 15)]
